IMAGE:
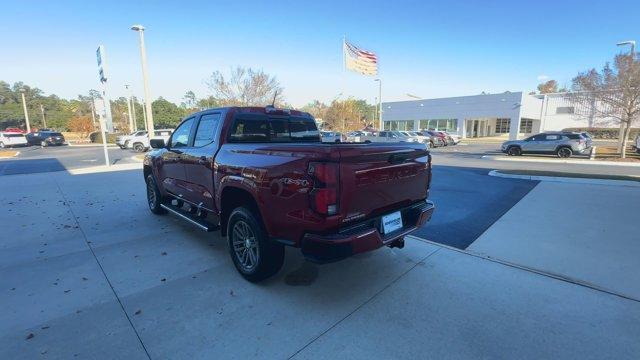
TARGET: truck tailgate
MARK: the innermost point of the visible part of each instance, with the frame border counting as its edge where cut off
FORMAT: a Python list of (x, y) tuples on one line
[(379, 178)]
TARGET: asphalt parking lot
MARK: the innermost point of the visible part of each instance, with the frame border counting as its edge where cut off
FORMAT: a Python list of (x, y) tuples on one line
[(88, 272), (34, 159)]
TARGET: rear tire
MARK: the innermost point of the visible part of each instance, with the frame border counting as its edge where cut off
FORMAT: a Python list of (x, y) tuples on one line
[(154, 198), (254, 255), (138, 147), (564, 152), (514, 151)]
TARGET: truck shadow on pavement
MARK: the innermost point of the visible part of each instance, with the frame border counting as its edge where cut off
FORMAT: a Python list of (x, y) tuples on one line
[(468, 202)]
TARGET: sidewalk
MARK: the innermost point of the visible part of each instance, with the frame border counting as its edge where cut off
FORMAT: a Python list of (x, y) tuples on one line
[(114, 281), (585, 232)]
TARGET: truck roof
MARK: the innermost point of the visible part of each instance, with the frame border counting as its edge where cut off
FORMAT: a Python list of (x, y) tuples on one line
[(260, 110)]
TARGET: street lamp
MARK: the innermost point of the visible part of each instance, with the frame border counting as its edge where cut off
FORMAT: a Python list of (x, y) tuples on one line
[(633, 47), (143, 58), (26, 113), (126, 86), (379, 104)]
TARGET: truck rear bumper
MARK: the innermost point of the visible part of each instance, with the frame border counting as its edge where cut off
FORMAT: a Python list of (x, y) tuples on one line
[(365, 236)]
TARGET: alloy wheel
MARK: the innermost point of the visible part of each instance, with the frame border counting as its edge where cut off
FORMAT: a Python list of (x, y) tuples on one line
[(564, 153), (245, 246), (152, 197)]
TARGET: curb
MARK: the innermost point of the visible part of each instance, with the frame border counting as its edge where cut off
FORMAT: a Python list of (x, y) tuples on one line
[(581, 162), (569, 180), (9, 157)]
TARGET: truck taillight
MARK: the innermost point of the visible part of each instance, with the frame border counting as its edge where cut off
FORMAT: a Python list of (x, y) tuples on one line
[(324, 196)]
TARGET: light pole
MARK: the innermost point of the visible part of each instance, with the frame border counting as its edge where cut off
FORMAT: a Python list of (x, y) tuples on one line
[(143, 58), (144, 115), (26, 113), (126, 86), (633, 47), (44, 118), (380, 125), (133, 110)]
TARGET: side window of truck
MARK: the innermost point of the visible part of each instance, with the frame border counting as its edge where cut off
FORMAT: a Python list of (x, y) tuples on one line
[(206, 131), (180, 137), (304, 129), (249, 129)]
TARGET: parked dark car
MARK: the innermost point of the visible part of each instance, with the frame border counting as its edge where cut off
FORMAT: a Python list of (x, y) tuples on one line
[(45, 138), (264, 178)]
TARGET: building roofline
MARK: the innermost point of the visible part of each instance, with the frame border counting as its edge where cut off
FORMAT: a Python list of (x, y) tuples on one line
[(453, 97)]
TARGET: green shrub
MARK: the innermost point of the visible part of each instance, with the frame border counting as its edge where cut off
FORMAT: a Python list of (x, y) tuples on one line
[(96, 137), (605, 133)]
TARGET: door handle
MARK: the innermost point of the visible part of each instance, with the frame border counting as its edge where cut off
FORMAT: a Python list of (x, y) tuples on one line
[(202, 160)]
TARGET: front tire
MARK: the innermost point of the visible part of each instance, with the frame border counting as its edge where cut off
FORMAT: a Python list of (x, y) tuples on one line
[(564, 152), (154, 198), (254, 255)]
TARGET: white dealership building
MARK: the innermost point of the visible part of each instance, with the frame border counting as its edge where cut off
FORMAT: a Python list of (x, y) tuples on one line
[(509, 114)]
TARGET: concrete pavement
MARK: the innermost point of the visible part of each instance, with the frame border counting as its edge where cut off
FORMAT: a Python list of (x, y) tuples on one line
[(581, 231), (89, 272)]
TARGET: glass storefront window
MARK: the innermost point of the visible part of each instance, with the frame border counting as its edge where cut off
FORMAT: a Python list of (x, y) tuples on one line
[(449, 125), (502, 126), (399, 125)]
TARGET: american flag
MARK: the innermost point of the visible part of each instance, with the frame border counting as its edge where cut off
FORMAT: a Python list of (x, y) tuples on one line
[(358, 60)]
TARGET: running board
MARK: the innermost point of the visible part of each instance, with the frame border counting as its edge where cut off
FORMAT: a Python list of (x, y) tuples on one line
[(200, 224)]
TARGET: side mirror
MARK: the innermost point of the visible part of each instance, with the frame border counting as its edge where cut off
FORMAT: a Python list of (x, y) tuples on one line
[(157, 143)]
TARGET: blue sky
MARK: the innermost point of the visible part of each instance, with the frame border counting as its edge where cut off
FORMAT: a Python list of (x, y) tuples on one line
[(430, 49)]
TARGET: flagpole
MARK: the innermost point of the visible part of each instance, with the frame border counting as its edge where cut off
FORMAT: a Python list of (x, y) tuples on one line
[(344, 54)]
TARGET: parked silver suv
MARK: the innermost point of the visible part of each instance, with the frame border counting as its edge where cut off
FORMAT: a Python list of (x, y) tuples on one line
[(563, 144)]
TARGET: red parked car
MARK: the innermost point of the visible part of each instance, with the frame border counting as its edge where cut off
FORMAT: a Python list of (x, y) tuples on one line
[(264, 178), (15, 130)]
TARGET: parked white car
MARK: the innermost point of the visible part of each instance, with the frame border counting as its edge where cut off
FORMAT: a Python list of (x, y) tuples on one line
[(416, 137), (388, 136), (141, 143), (123, 140), (358, 136), (11, 139), (331, 136), (455, 137)]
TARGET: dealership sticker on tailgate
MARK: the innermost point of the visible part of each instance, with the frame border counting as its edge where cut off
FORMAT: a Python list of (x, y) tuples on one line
[(391, 222)]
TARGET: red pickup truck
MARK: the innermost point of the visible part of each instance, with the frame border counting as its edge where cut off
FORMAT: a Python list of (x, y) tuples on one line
[(264, 178)]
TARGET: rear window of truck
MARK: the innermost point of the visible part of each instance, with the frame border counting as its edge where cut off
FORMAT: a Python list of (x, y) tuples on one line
[(261, 129)]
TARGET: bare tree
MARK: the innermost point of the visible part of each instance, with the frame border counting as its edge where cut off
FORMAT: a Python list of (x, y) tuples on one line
[(245, 87), (611, 93), (316, 108)]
